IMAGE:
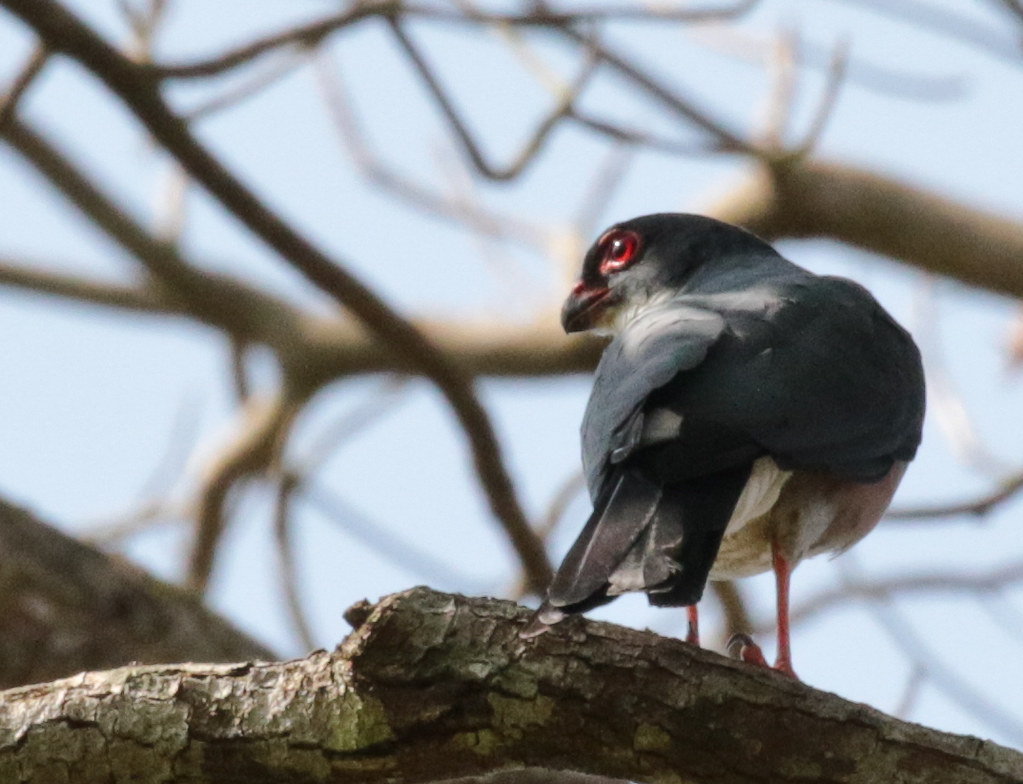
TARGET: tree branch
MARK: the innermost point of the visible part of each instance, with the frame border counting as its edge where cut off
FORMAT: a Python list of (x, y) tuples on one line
[(34, 67), (436, 686), (312, 34), (112, 295), (800, 198), (65, 607)]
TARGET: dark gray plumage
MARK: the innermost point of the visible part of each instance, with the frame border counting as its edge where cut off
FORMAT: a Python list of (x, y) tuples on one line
[(746, 408)]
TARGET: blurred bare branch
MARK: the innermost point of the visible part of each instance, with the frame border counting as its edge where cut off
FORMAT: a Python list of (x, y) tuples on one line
[(670, 98), (936, 672), (737, 617), (27, 75), (251, 450), (287, 566), (249, 88), (304, 36), (471, 215), (571, 488), (1013, 7), (980, 583), (530, 149), (395, 549), (310, 35), (895, 81), (19, 275), (837, 71), (954, 24), (1006, 490), (576, 55)]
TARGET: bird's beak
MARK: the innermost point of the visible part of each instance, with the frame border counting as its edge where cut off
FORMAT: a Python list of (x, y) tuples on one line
[(584, 307)]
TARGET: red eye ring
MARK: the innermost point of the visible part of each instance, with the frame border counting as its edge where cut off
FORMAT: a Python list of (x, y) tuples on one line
[(619, 249)]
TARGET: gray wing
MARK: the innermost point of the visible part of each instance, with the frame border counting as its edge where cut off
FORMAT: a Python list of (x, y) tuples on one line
[(659, 345), (826, 381)]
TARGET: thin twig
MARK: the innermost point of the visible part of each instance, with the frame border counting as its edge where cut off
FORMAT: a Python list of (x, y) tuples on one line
[(21, 83), (239, 93), (837, 71), (287, 566), (306, 36), (371, 533), (144, 25), (784, 74), (601, 189), (530, 149), (883, 79), (239, 375), (566, 493), (917, 678), (354, 138), (990, 581), (726, 139), (312, 34), (946, 403), (737, 617), (111, 531), (639, 138), (58, 284), (949, 682), (956, 26), (382, 400), (252, 449), (977, 507), (542, 16)]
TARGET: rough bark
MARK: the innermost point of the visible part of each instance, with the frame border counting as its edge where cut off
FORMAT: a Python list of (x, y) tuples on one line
[(65, 607), (432, 686)]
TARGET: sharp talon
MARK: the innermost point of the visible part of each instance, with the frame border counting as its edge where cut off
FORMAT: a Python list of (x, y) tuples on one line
[(542, 621), (742, 647), (735, 641)]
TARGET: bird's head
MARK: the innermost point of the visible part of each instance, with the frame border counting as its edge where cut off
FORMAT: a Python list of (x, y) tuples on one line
[(651, 256)]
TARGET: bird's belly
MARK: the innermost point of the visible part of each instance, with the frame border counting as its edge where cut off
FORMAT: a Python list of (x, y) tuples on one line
[(809, 513), (746, 546), (800, 531)]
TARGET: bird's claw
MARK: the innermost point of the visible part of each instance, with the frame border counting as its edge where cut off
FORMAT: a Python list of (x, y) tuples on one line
[(742, 647)]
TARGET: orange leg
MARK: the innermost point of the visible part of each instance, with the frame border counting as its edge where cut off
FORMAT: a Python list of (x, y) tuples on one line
[(693, 630), (782, 571), (748, 650)]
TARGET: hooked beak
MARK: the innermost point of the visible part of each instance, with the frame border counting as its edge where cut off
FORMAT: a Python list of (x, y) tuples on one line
[(584, 307)]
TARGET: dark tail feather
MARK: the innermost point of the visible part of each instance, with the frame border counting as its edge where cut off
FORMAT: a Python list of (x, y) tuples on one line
[(645, 537), (619, 518), (702, 508)]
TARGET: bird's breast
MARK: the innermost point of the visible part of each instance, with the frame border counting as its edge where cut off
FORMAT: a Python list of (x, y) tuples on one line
[(806, 512)]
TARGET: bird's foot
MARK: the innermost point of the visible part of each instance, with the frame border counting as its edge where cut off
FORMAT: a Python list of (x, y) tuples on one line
[(692, 635), (543, 619), (742, 647), (693, 626)]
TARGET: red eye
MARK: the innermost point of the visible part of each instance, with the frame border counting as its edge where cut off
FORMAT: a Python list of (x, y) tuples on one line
[(619, 250)]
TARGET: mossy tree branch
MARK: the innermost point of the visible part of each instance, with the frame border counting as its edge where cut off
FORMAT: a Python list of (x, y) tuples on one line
[(432, 686)]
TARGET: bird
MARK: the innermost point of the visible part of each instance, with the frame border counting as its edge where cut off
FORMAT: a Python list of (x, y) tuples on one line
[(746, 414)]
